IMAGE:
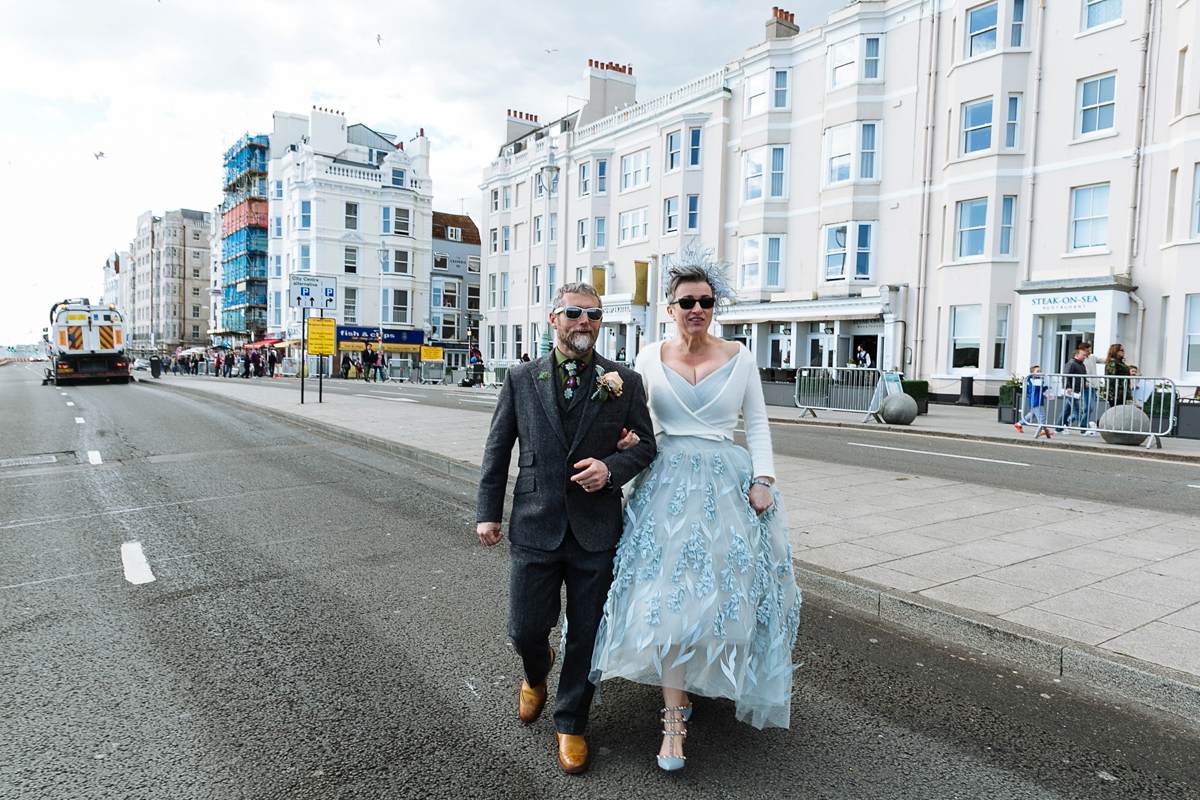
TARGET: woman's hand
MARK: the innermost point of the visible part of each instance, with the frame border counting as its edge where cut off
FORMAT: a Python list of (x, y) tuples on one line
[(760, 497), (628, 439)]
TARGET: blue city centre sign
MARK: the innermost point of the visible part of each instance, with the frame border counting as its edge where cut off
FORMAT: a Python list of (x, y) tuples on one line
[(351, 337)]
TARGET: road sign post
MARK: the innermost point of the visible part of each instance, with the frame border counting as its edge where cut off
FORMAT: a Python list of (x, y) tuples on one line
[(307, 292), (321, 341)]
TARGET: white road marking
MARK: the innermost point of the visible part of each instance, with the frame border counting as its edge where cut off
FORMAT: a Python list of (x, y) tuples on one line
[(94, 457), (472, 400), (58, 519), (133, 560), (64, 394), (79, 420), (1193, 486), (381, 397), (70, 403), (943, 455)]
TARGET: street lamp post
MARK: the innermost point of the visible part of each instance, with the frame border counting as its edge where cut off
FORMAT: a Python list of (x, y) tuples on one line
[(383, 260)]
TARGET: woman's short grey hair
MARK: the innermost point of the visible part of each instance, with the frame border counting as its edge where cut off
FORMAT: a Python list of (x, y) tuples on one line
[(694, 263), (573, 288)]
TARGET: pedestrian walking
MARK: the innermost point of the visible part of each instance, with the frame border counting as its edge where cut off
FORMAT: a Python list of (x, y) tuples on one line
[(1037, 392), (368, 362), (1091, 389), (704, 599), (346, 365), (1072, 392), (272, 362), (379, 366), (570, 414), (1117, 389)]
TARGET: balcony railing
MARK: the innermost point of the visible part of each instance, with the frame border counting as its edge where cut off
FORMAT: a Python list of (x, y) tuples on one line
[(701, 87)]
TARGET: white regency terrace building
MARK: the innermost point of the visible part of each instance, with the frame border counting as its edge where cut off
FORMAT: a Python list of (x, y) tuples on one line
[(351, 203), (963, 188)]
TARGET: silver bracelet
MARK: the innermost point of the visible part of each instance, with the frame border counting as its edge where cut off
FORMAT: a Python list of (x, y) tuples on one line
[(762, 482)]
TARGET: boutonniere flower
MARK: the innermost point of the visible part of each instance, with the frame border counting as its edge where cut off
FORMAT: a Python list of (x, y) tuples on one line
[(544, 376), (608, 384)]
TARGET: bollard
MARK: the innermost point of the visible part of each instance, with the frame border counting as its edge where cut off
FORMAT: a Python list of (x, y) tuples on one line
[(965, 396)]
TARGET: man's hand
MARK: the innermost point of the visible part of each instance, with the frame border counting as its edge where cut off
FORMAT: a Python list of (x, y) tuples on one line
[(594, 474), (628, 439), (488, 532)]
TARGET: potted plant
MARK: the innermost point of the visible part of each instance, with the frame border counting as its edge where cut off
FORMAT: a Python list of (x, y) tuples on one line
[(1010, 400), (1158, 406), (919, 391)]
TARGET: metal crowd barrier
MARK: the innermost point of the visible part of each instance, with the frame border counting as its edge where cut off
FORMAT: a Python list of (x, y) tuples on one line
[(838, 389), (399, 370), (433, 372), (1080, 404)]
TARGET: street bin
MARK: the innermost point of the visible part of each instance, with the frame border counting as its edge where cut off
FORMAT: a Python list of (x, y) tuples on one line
[(155, 366)]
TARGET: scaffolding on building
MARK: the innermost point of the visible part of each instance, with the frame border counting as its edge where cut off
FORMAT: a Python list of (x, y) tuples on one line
[(244, 238)]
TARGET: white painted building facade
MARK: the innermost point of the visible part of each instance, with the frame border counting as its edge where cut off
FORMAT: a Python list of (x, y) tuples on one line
[(964, 188), (350, 203)]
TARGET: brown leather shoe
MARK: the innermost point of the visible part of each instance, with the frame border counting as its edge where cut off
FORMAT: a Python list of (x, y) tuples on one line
[(572, 752), (532, 699)]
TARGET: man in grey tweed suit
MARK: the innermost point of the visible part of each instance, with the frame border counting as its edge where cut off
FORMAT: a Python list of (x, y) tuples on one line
[(566, 510)]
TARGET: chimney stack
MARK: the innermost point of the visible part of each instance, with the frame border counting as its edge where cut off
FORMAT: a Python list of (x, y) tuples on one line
[(782, 24)]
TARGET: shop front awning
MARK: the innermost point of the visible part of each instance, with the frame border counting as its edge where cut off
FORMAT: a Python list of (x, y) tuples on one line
[(820, 310), (261, 343)]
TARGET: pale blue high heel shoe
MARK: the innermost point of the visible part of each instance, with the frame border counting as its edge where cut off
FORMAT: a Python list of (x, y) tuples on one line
[(672, 763)]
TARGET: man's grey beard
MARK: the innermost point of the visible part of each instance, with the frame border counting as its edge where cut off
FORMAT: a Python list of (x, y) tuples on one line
[(578, 342)]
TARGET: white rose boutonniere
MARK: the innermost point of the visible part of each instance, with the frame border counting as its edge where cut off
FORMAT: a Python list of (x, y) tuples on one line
[(608, 384)]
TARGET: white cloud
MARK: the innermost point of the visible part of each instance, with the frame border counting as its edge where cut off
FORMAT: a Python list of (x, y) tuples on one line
[(163, 88)]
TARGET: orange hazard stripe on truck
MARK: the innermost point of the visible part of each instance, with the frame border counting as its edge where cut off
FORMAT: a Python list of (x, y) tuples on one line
[(106, 337), (75, 332)]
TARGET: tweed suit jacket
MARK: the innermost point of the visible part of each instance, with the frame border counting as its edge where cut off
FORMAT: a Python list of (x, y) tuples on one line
[(545, 499)]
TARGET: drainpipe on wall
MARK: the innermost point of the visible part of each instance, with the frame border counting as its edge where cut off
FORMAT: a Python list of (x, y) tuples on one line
[(926, 183), (1033, 136), (1135, 202)]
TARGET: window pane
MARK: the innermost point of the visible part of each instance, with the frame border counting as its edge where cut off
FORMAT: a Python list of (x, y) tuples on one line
[(1102, 11), (777, 172)]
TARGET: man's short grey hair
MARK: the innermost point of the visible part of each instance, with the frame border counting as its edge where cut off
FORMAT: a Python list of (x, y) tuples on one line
[(695, 263), (574, 288)]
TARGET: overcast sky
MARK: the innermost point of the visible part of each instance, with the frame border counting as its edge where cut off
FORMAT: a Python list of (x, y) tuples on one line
[(163, 87)]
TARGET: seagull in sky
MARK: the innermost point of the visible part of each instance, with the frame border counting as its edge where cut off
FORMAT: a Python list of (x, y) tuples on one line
[(99, 155), (555, 50), (379, 39)]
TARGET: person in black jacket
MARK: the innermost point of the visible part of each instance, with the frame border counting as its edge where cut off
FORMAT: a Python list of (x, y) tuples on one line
[(1073, 387)]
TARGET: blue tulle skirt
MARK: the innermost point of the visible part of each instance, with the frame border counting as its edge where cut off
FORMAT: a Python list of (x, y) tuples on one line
[(703, 587)]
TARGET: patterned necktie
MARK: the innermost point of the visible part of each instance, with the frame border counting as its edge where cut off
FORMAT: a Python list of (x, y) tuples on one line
[(572, 381)]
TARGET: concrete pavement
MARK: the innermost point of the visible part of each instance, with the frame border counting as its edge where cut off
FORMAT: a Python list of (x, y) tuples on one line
[(1102, 593)]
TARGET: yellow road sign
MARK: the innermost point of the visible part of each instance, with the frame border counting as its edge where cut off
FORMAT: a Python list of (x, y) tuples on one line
[(431, 354), (322, 336)]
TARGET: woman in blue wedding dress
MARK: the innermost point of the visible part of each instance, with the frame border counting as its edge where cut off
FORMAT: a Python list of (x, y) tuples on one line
[(704, 599)]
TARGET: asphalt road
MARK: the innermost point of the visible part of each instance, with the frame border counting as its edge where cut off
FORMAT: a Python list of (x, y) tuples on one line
[(322, 623)]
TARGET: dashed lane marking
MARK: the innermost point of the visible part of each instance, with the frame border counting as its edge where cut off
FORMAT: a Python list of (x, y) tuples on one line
[(382, 397), (136, 567), (70, 403), (941, 455), (94, 457), (79, 420)]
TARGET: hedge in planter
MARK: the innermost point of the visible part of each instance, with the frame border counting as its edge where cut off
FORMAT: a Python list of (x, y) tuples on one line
[(919, 391)]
